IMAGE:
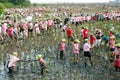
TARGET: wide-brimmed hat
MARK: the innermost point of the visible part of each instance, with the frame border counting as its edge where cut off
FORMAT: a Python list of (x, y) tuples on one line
[(76, 40), (63, 40), (15, 53), (39, 56)]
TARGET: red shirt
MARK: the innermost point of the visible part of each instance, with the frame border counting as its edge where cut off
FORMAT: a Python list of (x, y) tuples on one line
[(85, 33), (92, 39), (117, 63), (69, 32), (10, 31)]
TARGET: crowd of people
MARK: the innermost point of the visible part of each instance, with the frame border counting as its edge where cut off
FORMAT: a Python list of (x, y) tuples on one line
[(27, 23)]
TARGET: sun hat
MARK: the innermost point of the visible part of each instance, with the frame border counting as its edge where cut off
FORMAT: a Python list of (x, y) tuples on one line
[(38, 56), (15, 53), (63, 40), (76, 40)]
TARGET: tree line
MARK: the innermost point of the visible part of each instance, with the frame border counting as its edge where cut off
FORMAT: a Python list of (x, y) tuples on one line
[(14, 3)]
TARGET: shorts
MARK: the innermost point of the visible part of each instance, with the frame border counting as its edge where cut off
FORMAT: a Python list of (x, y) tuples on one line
[(61, 52), (70, 38), (112, 49), (97, 42), (30, 30), (87, 54)]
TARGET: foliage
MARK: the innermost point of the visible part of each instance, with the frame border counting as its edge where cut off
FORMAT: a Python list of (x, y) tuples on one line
[(3, 1), (2, 8), (15, 3), (26, 3), (8, 5)]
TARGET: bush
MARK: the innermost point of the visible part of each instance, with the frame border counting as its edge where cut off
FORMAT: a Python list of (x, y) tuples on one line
[(2, 8)]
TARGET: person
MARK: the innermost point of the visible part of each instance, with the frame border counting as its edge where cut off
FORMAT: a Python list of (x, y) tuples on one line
[(87, 54), (10, 31), (98, 37), (116, 51), (92, 40), (76, 50), (42, 64), (85, 33), (69, 33), (117, 63), (81, 32), (62, 48), (12, 62), (104, 40), (30, 29), (112, 43)]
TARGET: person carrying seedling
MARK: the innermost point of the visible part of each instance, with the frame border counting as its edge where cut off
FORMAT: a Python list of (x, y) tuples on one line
[(62, 49), (87, 54), (12, 62), (76, 50), (42, 63)]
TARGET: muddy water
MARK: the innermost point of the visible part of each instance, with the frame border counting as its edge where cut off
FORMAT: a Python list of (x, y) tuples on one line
[(56, 69)]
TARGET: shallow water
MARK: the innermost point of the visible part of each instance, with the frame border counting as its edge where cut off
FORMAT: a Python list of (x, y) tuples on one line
[(56, 69)]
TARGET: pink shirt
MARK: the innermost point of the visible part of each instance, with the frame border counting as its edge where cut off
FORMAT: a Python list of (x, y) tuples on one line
[(80, 18), (75, 48), (62, 46), (3, 28), (64, 27), (13, 61), (81, 31), (41, 61), (15, 30), (112, 42), (50, 22), (86, 47)]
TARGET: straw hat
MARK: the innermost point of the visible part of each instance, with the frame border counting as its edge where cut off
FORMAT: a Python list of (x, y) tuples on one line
[(63, 40), (91, 34), (76, 40), (15, 53), (39, 56), (112, 37), (86, 40), (86, 27), (118, 45)]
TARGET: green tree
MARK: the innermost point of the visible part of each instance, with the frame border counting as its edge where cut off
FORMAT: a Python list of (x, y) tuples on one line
[(2, 8), (3, 1), (8, 5), (19, 2)]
